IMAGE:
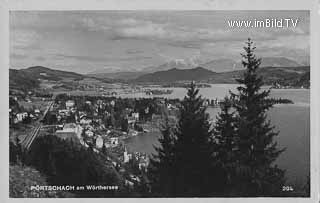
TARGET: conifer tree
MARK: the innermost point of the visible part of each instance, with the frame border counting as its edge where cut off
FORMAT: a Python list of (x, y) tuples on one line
[(160, 172), (256, 148), (186, 164), (194, 160), (225, 140)]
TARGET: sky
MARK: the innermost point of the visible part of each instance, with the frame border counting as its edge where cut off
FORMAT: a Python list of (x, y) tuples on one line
[(88, 41)]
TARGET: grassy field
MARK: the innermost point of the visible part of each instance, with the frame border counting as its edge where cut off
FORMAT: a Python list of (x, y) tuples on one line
[(36, 103)]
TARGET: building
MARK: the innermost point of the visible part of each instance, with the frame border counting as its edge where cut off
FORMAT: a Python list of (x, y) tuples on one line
[(99, 142), (133, 132), (112, 103), (135, 116), (89, 133), (70, 104), (64, 112), (114, 141), (85, 121), (21, 116), (70, 131), (126, 156), (143, 163)]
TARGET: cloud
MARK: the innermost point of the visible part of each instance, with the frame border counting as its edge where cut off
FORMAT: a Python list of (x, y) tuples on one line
[(132, 51), (301, 42), (135, 39), (18, 56), (92, 24), (40, 58), (99, 58), (141, 29), (148, 30), (79, 58), (22, 39), (190, 36)]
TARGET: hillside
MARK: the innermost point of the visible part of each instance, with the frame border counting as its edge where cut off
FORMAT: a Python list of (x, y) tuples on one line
[(226, 65), (175, 74), (217, 65), (22, 178), (283, 75), (39, 72), (30, 78), (117, 75), (221, 65), (22, 81)]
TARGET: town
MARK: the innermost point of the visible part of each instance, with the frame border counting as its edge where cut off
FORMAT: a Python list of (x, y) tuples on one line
[(100, 123)]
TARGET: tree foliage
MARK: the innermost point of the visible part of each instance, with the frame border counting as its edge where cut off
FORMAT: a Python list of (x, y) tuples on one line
[(185, 164), (255, 150), (67, 163)]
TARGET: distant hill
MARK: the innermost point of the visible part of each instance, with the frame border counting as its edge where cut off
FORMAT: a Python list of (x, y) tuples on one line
[(221, 65), (22, 81), (175, 74), (40, 72), (226, 65), (284, 75), (131, 75), (30, 78), (271, 75), (217, 65), (118, 75), (176, 63), (278, 62)]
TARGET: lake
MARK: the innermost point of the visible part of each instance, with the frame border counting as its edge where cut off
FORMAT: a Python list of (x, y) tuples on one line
[(292, 120)]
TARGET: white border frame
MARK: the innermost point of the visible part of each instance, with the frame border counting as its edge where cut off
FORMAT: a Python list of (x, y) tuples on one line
[(312, 5)]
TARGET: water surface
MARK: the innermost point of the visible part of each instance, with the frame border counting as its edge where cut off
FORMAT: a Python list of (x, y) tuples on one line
[(291, 120)]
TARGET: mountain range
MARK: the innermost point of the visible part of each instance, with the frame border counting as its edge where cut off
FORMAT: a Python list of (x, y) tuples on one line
[(217, 65), (283, 75), (175, 74), (291, 75)]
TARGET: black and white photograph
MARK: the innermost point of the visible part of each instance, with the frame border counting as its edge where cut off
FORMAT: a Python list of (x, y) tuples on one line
[(159, 103)]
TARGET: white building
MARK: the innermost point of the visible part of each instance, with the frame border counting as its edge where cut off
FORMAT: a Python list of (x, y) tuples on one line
[(70, 104), (89, 133), (126, 157), (135, 116), (21, 116), (85, 121), (99, 142), (63, 112), (113, 103), (70, 131), (114, 141)]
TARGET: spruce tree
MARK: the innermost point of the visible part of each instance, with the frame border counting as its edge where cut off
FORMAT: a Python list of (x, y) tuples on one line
[(160, 171), (256, 148), (194, 160), (225, 140), (186, 165)]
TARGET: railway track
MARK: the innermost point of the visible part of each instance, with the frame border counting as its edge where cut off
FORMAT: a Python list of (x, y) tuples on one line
[(28, 140)]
